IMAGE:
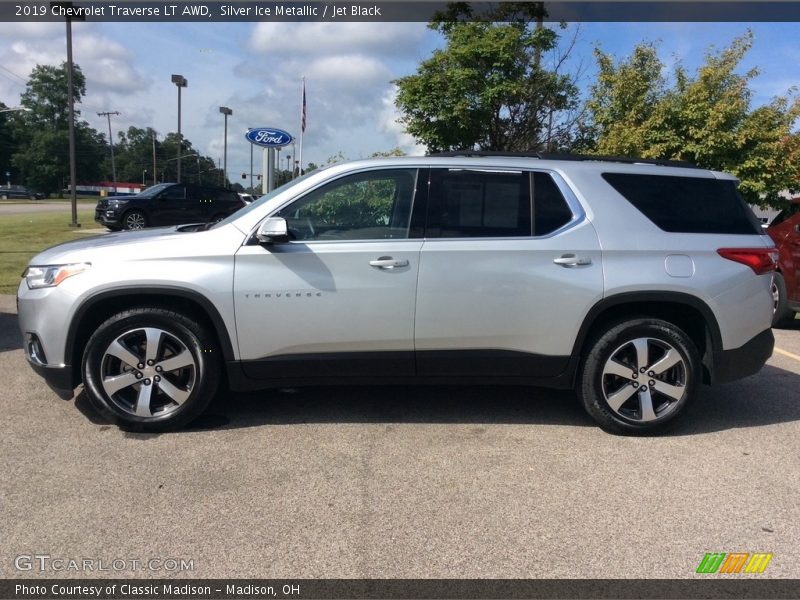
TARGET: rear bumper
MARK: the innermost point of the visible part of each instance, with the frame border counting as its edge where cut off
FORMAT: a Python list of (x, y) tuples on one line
[(746, 360)]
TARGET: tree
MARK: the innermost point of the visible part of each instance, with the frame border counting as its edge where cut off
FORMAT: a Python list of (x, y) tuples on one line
[(705, 118), (489, 89), (42, 132), (7, 147)]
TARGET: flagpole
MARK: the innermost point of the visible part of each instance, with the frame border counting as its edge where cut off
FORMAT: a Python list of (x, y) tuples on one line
[(302, 127)]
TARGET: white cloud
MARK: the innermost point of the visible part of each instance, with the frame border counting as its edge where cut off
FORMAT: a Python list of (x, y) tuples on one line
[(388, 123), (321, 39)]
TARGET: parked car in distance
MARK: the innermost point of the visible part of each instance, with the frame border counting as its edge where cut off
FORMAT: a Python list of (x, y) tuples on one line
[(248, 198), (167, 204), (19, 192), (785, 232), (631, 282)]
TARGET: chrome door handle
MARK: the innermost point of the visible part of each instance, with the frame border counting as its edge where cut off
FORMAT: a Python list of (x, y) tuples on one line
[(387, 262), (570, 260)]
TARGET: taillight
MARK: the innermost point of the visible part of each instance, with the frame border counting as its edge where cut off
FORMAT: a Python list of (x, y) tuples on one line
[(761, 260)]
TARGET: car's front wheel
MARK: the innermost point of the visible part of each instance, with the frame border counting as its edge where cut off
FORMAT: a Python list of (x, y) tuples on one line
[(133, 220), (638, 375), (151, 369)]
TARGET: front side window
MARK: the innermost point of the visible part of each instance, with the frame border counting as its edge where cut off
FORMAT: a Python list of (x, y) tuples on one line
[(369, 205)]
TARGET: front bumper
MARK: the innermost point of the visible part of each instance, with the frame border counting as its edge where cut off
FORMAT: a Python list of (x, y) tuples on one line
[(730, 365), (59, 378), (106, 217)]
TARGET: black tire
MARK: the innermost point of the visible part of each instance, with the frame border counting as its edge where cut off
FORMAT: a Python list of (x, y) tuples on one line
[(133, 220), (151, 397), (658, 396), (782, 315)]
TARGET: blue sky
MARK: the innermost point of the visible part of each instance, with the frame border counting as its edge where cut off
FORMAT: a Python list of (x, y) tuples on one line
[(255, 69)]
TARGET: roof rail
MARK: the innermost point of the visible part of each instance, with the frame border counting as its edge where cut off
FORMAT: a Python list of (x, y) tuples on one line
[(576, 157)]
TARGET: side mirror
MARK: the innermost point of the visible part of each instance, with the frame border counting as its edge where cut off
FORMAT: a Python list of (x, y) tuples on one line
[(273, 231)]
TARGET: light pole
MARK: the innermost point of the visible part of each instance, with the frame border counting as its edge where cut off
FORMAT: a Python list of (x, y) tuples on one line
[(111, 143), (181, 82), (288, 159), (225, 111), (66, 9)]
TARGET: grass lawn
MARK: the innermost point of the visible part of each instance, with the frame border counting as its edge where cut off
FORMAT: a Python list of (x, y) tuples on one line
[(22, 236)]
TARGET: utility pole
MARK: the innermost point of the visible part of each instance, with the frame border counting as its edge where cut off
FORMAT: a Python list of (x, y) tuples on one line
[(111, 143), (155, 172)]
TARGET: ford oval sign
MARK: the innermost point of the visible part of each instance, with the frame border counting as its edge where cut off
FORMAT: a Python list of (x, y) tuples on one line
[(269, 137)]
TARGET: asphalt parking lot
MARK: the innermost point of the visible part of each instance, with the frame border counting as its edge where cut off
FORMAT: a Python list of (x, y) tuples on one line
[(403, 482)]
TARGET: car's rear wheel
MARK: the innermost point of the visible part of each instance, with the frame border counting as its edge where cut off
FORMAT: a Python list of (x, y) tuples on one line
[(133, 220), (782, 315), (151, 369), (638, 375)]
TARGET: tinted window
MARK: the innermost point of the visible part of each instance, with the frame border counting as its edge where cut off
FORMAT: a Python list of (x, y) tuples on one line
[(465, 203), (176, 192), (687, 204), (786, 213), (550, 209), (371, 205)]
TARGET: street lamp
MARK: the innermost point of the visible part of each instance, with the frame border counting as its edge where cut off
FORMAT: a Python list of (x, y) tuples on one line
[(2, 110), (181, 82), (225, 111)]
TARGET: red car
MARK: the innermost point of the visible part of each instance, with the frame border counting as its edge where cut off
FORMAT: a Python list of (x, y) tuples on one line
[(785, 232)]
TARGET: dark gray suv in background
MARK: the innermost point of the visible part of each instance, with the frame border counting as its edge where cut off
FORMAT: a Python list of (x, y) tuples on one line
[(168, 204)]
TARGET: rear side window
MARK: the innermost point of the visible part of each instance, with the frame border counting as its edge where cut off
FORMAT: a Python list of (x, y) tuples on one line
[(472, 203), (550, 210), (687, 204)]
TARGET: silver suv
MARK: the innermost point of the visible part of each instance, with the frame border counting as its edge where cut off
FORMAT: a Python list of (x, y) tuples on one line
[(630, 281)]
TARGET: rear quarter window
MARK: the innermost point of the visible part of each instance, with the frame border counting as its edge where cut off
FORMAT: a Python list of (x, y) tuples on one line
[(687, 204)]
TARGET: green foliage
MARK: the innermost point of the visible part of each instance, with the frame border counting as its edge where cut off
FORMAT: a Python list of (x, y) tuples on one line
[(705, 118), (396, 151), (41, 136), (488, 88), (6, 148)]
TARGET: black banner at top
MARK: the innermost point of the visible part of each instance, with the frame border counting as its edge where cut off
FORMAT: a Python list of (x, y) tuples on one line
[(394, 11)]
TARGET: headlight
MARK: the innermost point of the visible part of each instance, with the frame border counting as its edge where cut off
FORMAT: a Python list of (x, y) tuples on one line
[(51, 275)]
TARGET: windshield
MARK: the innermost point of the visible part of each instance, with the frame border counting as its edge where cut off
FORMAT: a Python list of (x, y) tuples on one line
[(152, 191), (263, 199)]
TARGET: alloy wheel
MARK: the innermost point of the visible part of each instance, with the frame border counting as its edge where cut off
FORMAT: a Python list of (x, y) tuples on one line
[(148, 372), (134, 220), (644, 379)]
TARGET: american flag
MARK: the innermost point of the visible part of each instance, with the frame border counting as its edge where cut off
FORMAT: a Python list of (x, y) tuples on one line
[(303, 111)]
